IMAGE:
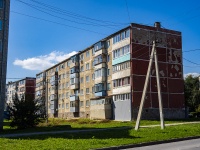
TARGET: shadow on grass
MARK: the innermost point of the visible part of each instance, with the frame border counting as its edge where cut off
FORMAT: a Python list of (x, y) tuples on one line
[(109, 133)]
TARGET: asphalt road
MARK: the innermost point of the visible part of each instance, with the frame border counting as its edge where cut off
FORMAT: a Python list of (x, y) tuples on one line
[(182, 145)]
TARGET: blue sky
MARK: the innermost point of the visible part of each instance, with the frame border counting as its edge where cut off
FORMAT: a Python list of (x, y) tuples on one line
[(38, 40)]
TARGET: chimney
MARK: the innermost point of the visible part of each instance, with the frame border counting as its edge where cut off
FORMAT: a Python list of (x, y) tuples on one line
[(157, 25)]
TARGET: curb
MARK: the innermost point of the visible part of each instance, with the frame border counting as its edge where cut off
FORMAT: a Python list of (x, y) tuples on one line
[(147, 144)]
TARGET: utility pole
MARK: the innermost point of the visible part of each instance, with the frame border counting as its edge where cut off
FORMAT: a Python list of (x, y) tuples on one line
[(46, 100), (4, 13), (153, 54)]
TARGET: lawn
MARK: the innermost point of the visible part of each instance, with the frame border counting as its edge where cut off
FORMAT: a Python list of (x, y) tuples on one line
[(98, 139)]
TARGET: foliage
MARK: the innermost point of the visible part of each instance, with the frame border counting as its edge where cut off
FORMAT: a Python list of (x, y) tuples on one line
[(24, 112), (192, 92)]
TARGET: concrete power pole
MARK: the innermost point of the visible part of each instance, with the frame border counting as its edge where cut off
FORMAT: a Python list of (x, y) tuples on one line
[(4, 26), (153, 55)]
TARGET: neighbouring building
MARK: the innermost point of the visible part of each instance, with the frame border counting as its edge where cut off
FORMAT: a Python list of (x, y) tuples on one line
[(4, 27), (21, 87), (106, 80)]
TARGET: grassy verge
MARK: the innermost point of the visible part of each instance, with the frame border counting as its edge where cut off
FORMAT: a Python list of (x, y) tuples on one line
[(98, 139), (61, 124)]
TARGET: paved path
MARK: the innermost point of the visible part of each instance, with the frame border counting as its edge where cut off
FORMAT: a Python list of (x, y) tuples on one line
[(85, 130), (59, 132), (181, 145), (170, 124)]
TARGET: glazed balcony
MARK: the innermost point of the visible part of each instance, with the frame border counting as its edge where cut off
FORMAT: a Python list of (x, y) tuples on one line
[(100, 93), (74, 106), (100, 52), (74, 98)]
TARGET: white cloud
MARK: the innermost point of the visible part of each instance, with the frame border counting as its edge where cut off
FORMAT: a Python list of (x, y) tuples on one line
[(43, 62), (194, 74)]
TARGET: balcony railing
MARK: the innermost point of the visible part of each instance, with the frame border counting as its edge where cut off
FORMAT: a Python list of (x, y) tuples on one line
[(100, 79), (73, 98), (74, 106), (100, 93), (100, 51)]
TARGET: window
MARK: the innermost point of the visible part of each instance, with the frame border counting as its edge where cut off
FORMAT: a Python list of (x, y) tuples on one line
[(87, 66), (99, 87), (67, 105), (108, 72), (88, 54), (108, 44), (87, 103), (87, 90), (100, 72), (67, 94), (59, 106), (93, 76), (63, 106), (121, 66), (93, 89), (108, 86), (81, 103), (93, 63), (93, 52), (82, 69), (81, 80), (81, 57), (68, 63), (121, 82), (121, 36), (98, 46), (121, 51), (67, 84), (87, 78), (108, 58), (81, 91), (121, 97), (98, 60)]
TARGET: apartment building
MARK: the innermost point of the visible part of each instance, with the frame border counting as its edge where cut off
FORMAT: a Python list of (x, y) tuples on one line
[(21, 87), (4, 27), (106, 80)]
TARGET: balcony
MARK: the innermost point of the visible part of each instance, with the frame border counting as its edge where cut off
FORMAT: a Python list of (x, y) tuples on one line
[(74, 106), (121, 74), (74, 64), (121, 59), (122, 89), (101, 93), (74, 98), (74, 75), (100, 52), (101, 65), (74, 86), (100, 79)]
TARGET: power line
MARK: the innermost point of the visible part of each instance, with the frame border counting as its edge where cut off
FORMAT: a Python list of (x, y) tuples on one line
[(128, 11), (77, 22), (75, 14), (56, 22), (191, 50)]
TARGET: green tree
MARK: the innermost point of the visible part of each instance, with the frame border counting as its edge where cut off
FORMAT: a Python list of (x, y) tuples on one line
[(192, 92), (24, 112)]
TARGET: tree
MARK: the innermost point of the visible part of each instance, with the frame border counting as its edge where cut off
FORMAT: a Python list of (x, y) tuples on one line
[(24, 112), (192, 92)]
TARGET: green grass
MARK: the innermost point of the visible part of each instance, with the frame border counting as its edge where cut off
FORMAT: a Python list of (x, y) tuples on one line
[(99, 138), (62, 124)]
